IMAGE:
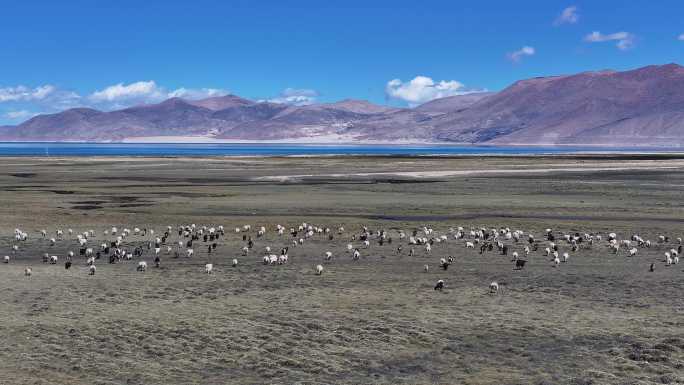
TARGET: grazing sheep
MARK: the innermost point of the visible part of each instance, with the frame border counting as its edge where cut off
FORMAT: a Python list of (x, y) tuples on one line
[(266, 260), (53, 259), (440, 285), (493, 287), (91, 269), (444, 263), (6, 259), (470, 245), (319, 269), (142, 266), (328, 255), (235, 262), (520, 264), (632, 251), (566, 256), (556, 260), (356, 255), (208, 268), (426, 268), (28, 271)]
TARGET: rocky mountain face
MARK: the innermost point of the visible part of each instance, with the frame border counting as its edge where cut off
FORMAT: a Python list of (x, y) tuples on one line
[(642, 107), (638, 107)]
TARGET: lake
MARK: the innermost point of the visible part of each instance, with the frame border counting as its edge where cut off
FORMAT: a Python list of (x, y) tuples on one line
[(270, 149)]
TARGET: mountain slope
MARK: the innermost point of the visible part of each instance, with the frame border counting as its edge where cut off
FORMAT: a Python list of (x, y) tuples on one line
[(452, 103), (221, 102), (635, 107)]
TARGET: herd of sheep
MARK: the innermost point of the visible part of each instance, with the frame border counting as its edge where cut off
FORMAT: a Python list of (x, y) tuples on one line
[(114, 245)]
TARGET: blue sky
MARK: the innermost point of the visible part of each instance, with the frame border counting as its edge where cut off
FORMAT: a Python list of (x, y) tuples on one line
[(60, 54)]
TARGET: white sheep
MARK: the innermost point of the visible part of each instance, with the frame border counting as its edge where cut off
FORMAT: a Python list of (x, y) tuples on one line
[(493, 287), (142, 266), (235, 262), (6, 259), (53, 259), (328, 255), (633, 251), (28, 271), (470, 245), (357, 254), (566, 256), (91, 269), (319, 269), (208, 268), (426, 268)]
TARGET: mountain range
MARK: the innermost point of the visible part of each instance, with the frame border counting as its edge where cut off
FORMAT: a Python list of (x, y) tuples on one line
[(641, 107)]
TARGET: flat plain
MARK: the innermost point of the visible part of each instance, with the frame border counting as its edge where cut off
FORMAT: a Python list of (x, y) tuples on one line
[(600, 318)]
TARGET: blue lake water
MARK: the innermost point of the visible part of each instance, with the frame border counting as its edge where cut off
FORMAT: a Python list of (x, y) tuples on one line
[(262, 149)]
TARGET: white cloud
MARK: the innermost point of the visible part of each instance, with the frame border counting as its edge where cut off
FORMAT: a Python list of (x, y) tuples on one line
[(23, 93), (625, 40), (423, 89), (297, 97), (680, 37), (124, 95), (516, 56), (20, 100), (568, 16), (189, 93), (19, 115), (143, 90)]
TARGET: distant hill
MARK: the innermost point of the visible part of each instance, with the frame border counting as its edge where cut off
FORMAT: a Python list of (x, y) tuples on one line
[(642, 107), (452, 103), (639, 107)]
